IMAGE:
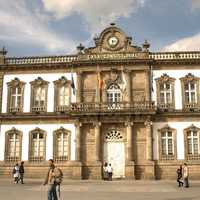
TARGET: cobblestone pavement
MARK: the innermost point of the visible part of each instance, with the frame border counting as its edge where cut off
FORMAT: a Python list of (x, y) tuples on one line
[(100, 190)]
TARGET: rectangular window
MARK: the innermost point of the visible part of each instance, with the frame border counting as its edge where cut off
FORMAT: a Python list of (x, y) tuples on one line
[(167, 144), (165, 93), (64, 96)]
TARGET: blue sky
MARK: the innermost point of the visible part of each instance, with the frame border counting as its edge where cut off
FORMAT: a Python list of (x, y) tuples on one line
[(54, 27)]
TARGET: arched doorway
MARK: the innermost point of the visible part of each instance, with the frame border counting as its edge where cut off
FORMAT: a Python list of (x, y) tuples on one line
[(114, 152)]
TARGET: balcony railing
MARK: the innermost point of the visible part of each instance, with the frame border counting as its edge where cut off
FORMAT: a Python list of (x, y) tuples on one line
[(191, 107), (38, 109), (62, 108), (15, 109), (114, 107), (165, 107)]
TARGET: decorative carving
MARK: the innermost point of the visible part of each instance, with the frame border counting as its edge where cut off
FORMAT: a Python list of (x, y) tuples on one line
[(113, 136)]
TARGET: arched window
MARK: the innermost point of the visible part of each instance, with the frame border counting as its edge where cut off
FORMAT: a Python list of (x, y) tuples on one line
[(13, 145), (190, 91), (62, 94), (165, 92), (192, 149), (39, 90), (167, 143), (114, 96), (62, 140), (37, 148), (15, 95)]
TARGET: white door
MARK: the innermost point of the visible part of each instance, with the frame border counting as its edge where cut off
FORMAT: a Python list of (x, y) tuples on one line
[(114, 154)]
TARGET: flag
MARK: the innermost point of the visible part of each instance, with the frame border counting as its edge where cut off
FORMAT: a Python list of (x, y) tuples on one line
[(72, 84), (124, 83), (100, 82)]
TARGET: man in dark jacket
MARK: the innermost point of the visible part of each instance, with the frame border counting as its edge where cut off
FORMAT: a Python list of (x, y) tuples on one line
[(21, 172)]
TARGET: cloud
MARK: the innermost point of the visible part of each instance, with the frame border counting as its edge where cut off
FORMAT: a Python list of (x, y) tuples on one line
[(22, 21), (97, 13), (185, 44), (195, 4)]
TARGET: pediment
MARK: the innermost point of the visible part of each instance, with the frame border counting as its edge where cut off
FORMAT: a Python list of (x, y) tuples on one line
[(111, 40)]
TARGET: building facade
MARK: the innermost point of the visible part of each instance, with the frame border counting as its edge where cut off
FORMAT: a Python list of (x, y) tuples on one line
[(115, 102)]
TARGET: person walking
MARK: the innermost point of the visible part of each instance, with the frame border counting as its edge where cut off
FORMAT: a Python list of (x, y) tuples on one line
[(49, 180), (105, 171), (16, 173), (179, 176), (21, 172), (110, 172), (186, 175)]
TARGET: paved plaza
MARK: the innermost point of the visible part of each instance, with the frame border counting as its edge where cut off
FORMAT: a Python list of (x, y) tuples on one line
[(100, 190)]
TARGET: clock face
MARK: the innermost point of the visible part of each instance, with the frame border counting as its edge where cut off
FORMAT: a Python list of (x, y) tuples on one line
[(113, 41)]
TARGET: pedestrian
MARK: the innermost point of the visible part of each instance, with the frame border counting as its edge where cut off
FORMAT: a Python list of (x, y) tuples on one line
[(110, 172), (179, 176), (16, 173), (58, 180), (186, 175), (21, 172), (105, 171), (50, 181)]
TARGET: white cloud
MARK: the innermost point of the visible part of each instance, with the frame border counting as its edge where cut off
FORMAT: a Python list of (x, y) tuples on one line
[(185, 44), (97, 13), (24, 23), (195, 4)]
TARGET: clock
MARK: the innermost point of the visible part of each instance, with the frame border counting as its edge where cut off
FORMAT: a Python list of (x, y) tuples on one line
[(113, 41)]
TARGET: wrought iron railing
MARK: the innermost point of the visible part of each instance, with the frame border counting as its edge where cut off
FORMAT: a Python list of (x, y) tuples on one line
[(38, 109)]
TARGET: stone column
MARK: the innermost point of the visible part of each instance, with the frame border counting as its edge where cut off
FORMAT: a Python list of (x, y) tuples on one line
[(78, 142), (128, 84), (79, 87), (129, 146), (97, 127), (149, 140), (148, 85)]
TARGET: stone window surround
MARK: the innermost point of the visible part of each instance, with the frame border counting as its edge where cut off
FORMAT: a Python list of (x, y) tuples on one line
[(14, 84), (65, 131), (190, 78), (191, 128), (7, 145), (174, 136), (63, 81), (30, 145), (39, 82), (165, 79)]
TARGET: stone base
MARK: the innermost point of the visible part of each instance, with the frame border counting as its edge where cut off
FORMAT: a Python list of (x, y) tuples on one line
[(130, 170), (149, 171), (92, 170), (71, 169)]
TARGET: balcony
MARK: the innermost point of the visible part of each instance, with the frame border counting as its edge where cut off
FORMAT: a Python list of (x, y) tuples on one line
[(191, 107), (38, 109), (119, 107), (15, 109), (165, 107), (62, 109)]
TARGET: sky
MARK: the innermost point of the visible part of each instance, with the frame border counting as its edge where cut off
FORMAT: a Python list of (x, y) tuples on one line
[(57, 27)]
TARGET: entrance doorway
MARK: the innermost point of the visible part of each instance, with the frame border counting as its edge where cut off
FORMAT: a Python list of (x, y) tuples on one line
[(114, 153)]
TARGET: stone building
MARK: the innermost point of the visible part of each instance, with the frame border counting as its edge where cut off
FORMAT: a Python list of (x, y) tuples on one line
[(115, 102)]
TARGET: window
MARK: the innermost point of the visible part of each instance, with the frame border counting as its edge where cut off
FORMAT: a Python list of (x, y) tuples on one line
[(167, 143), (165, 92), (37, 145), (13, 145), (114, 96), (192, 143), (39, 89), (190, 91), (62, 94), (15, 95), (62, 139)]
